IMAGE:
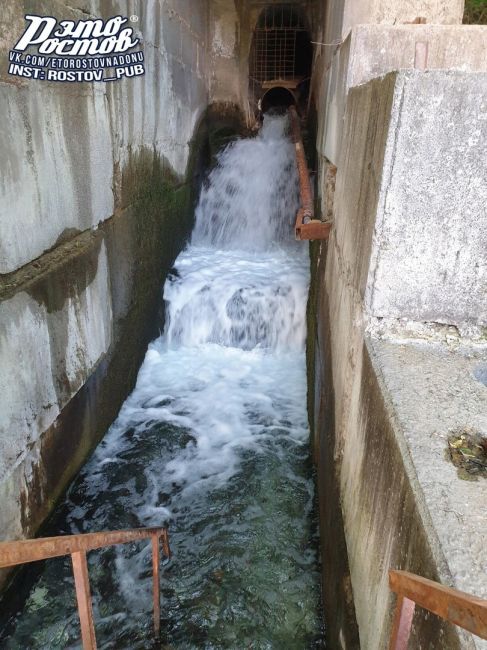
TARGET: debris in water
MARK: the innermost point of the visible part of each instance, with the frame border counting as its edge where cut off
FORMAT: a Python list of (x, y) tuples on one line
[(468, 451)]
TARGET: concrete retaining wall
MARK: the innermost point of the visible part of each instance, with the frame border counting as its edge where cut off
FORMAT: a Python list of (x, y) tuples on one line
[(366, 431), (95, 203)]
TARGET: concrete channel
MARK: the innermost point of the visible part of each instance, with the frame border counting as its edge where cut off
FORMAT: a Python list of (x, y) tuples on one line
[(100, 185)]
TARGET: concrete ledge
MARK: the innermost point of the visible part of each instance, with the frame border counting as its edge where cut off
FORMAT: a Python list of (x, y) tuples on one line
[(369, 484), (371, 51), (433, 392), (391, 521)]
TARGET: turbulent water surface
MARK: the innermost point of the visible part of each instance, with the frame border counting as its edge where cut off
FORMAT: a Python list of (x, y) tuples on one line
[(213, 442)]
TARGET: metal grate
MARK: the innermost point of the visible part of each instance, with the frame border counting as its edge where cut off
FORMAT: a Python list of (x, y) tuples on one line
[(274, 56)]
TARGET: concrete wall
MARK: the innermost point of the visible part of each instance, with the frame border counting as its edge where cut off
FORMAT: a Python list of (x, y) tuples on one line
[(94, 206), (430, 238), (443, 12), (226, 84), (406, 184), (373, 50), (39, 145)]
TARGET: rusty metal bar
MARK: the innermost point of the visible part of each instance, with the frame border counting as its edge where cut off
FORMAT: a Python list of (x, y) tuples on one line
[(156, 584), (307, 227), (83, 596), (403, 619), (165, 544), (33, 550), (302, 165), (464, 610)]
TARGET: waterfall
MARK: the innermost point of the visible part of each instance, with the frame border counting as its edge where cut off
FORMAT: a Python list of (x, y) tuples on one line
[(251, 197), (213, 441)]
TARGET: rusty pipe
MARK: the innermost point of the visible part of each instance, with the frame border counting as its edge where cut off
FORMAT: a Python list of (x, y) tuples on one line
[(307, 227), (306, 212)]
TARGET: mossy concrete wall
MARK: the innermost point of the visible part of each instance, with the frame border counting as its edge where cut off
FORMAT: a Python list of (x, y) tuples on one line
[(96, 197), (376, 447)]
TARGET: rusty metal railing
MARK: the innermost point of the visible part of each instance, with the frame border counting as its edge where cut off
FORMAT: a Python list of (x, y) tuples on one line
[(32, 550), (307, 227), (468, 612)]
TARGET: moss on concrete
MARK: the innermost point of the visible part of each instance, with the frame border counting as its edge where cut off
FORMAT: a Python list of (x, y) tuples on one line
[(311, 324), (152, 221), (340, 622)]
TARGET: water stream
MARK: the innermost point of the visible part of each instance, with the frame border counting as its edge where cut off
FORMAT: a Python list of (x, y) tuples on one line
[(213, 442)]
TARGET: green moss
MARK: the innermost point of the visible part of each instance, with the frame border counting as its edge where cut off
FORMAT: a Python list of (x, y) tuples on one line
[(475, 12), (311, 322)]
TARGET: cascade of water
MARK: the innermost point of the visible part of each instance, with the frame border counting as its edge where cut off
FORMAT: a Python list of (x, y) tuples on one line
[(214, 438), (235, 286), (251, 197)]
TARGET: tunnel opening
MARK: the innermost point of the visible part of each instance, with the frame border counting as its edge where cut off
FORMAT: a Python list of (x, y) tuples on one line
[(280, 58), (277, 98)]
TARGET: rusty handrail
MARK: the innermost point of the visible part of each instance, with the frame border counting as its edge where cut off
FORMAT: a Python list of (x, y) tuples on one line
[(307, 227), (457, 607), (33, 550)]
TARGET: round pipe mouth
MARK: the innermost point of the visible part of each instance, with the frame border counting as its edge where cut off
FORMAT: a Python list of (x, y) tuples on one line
[(278, 98)]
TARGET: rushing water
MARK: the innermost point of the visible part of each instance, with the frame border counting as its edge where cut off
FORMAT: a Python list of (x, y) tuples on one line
[(213, 442)]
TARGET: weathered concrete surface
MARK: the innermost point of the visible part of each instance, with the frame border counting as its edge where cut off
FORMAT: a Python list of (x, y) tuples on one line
[(377, 49), (434, 393), (430, 238), (377, 393), (376, 495), (40, 151), (162, 109), (370, 51), (381, 11), (338, 597), (225, 33), (101, 180), (51, 339), (335, 23), (430, 137)]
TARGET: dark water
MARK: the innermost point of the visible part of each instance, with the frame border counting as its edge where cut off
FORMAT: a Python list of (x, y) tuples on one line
[(213, 442)]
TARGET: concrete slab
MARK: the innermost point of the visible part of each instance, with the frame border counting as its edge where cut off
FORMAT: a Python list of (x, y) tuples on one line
[(433, 392), (428, 261)]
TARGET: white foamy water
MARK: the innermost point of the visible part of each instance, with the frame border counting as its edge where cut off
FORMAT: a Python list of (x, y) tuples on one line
[(212, 442), (237, 299), (231, 358), (251, 198)]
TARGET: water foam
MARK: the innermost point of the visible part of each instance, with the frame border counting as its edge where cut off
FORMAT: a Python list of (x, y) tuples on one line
[(251, 197)]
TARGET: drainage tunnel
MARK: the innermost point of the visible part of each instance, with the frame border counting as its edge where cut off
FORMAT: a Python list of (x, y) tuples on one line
[(280, 58)]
